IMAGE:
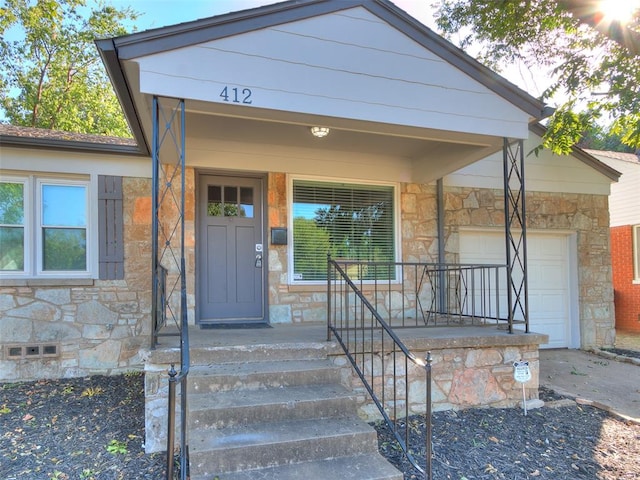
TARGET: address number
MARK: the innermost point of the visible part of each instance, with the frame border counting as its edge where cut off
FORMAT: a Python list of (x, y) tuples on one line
[(236, 95)]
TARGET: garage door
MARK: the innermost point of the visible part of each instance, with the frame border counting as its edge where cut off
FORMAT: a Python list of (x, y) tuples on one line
[(548, 270)]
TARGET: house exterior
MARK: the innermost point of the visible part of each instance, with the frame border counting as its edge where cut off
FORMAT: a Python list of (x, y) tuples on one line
[(625, 237), (66, 321), (404, 109)]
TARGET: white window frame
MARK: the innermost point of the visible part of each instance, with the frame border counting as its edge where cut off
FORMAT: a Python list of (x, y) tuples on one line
[(322, 179), (635, 233), (33, 226), (27, 223)]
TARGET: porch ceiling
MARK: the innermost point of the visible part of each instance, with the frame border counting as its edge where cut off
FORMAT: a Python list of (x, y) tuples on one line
[(431, 153)]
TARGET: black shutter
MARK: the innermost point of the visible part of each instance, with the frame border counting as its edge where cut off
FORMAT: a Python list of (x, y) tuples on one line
[(110, 228)]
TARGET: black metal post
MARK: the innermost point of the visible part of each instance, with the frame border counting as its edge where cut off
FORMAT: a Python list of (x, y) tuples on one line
[(184, 327), (171, 422), (441, 243), (329, 273), (515, 230), (429, 433), (154, 227)]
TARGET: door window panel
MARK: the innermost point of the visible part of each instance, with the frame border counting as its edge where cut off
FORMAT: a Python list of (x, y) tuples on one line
[(230, 201), (214, 201), (246, 202)]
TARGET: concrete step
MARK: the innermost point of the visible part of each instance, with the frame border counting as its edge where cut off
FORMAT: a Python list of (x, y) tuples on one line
[(356, 467), (216, 355), (243, 407), (259, 352), (218, 451), (264, 374)]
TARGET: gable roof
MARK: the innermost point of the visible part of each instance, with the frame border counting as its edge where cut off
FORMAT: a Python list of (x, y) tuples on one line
[(119, 49), (28, 137), (585, 156), (633, 158)]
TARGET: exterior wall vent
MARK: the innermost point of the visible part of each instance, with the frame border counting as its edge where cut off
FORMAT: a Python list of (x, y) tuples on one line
[(36, 350)]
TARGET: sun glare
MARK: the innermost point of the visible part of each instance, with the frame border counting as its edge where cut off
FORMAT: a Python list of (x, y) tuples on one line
[(619, 10)]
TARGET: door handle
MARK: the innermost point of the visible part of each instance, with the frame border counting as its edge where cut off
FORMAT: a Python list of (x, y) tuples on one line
[(258, 261)]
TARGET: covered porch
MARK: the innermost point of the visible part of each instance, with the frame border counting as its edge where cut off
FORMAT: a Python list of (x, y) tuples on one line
[(246, 202)]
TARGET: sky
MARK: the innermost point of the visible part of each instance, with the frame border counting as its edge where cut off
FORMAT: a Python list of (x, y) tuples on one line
[(160, 13)]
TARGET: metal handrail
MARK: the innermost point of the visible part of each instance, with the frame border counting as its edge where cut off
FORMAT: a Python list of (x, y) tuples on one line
[(174, 378), (415, 294), (363, 356)]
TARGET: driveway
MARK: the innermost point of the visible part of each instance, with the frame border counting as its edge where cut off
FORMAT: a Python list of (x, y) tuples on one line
[(589, 378)]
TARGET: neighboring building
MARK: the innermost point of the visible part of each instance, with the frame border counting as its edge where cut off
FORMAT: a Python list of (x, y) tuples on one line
[(405, 108), (624, 208)]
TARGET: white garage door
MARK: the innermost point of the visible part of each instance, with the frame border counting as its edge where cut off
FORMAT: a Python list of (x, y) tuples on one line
[(548, 270)]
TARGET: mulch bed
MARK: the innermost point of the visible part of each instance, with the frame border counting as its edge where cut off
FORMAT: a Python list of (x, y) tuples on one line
[(84, 428), (564, 442), (624, 352), (93, 429)]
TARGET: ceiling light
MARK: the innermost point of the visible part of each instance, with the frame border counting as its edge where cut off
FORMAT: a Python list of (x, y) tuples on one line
[(319, 131)]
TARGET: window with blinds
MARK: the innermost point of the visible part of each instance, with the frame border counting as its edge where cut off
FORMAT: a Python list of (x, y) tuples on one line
[(351, 221)]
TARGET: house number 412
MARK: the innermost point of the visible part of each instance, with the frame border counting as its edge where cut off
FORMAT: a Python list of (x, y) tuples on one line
[(236, 95)]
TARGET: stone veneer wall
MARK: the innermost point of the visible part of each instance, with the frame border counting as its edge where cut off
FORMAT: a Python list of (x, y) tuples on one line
[(586, 215), (99, 326), (461, 378)]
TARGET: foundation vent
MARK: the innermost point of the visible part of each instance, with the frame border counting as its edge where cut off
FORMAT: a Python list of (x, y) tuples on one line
[(31, 351)]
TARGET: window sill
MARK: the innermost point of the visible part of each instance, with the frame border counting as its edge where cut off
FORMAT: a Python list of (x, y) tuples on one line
[(46, 282)]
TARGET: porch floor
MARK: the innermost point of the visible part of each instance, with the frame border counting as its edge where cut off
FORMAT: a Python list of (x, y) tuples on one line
[(420, 338)]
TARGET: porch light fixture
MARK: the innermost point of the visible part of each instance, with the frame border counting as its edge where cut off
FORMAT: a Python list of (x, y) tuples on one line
[(319, 132)]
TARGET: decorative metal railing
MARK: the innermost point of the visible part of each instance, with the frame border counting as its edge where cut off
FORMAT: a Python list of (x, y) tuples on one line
[(368, 301), (429, 294), (382, 362)]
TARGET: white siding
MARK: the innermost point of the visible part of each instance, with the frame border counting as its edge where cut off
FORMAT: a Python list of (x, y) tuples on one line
[(348, 65), (624, 201), (81, 163), (544, 173)]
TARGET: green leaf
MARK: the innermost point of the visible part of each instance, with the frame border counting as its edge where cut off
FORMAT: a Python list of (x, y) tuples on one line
[(52, 76), (591, 76)]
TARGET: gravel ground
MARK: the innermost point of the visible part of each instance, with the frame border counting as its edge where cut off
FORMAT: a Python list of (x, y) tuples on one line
[(93, 428)]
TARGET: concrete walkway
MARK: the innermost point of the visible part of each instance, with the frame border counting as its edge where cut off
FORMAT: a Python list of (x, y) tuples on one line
[(593, 379)]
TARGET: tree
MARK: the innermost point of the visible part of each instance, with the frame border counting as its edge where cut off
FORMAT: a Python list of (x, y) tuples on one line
[(600, 138), (593, 77), (51, 75)]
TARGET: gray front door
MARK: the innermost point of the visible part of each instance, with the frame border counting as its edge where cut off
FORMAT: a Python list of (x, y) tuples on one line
[(230, 249)]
